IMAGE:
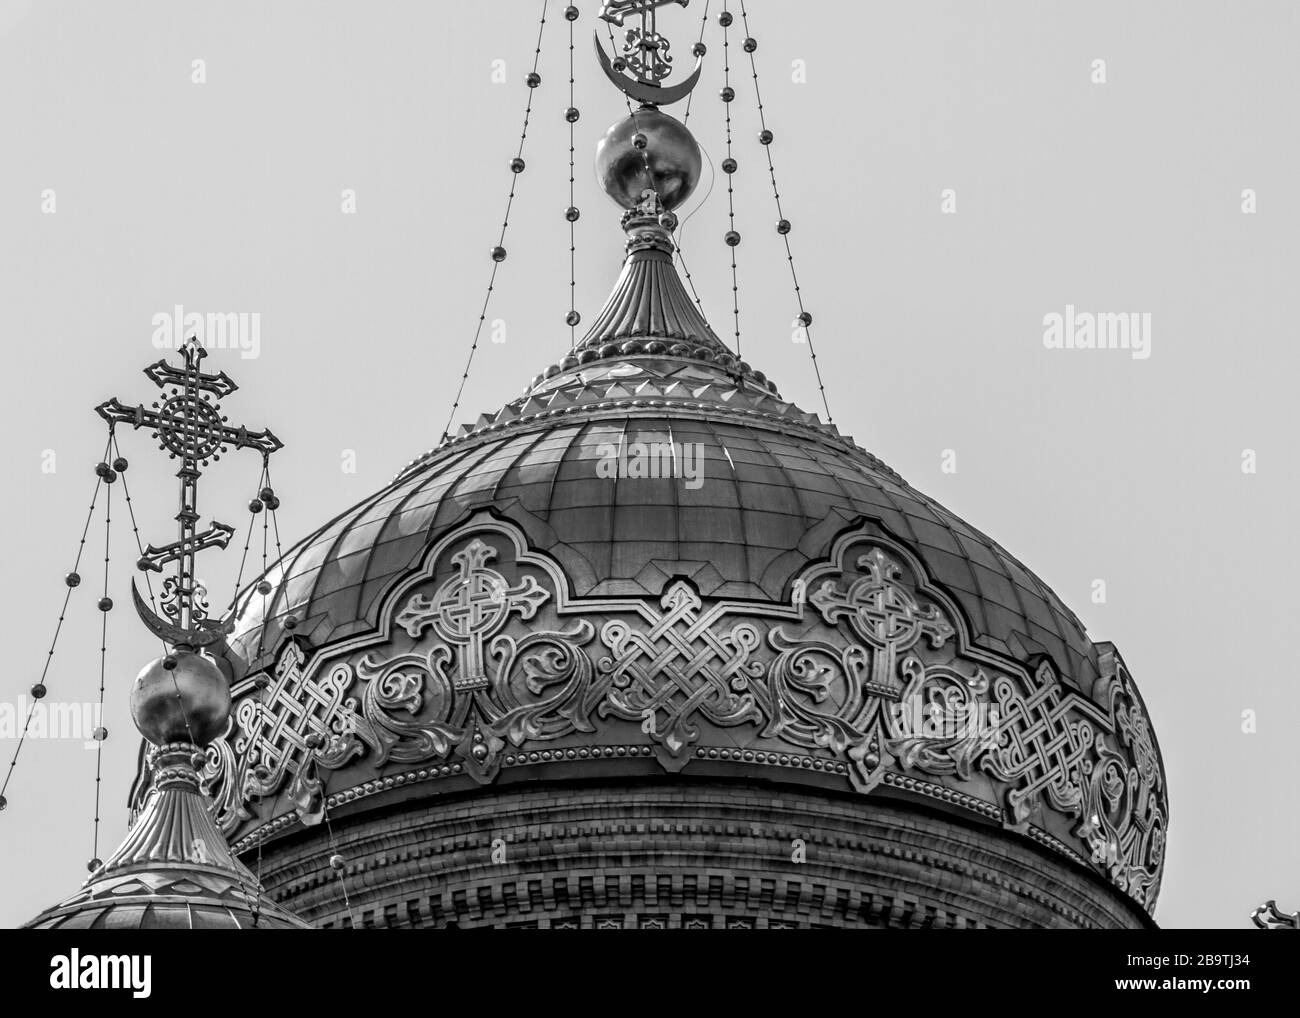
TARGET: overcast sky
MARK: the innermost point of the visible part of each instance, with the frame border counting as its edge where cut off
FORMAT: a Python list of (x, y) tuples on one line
[(1122, 196)]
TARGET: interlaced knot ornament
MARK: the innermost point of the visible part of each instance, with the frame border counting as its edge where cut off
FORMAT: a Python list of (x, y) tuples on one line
[(867, 672)]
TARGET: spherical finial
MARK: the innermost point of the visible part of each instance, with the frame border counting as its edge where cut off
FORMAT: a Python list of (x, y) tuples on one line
[(671, 153), (189, 702)]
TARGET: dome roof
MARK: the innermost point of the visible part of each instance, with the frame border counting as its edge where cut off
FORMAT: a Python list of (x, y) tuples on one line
[(651, 562), (774, 484), (651, 373)]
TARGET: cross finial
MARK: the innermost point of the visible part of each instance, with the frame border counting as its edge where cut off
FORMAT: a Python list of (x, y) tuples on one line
[(645, 53), (193, 352), (189, 426)]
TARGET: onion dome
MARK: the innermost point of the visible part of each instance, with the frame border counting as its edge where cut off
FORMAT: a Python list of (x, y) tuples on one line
[(649, 635), (1269, 917), (174, 870)]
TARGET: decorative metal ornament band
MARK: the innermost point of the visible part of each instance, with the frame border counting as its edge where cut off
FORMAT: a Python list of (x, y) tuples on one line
[(867, 674)]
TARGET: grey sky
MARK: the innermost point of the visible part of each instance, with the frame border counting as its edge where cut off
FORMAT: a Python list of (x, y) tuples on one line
[(1116, 197)]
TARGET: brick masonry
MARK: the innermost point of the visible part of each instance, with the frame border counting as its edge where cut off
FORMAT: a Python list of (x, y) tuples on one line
[(666, 854)]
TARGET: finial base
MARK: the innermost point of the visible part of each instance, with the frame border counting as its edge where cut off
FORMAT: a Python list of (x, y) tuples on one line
[(173, 765), (649, 225)]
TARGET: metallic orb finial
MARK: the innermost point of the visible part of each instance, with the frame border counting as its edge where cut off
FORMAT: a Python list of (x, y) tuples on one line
[(670, 152), (189, 702)]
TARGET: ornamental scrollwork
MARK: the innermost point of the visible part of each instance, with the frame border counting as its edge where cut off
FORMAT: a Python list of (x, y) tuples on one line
[(483, 652), (943, 723), (546, 685)]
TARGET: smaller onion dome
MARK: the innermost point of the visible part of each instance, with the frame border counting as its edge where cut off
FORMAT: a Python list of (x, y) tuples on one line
[(174, 870), (1269, 917)]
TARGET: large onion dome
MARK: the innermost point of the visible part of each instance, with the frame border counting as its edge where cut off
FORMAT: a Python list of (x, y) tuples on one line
[(651, 646)]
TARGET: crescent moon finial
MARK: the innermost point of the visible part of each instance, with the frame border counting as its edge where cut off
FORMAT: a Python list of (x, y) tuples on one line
[(645, 54), (178, 636), (643, 92)]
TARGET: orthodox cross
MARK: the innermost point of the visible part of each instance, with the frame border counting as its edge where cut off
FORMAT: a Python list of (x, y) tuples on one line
[(470, 608), (884, 615), (189, 426)]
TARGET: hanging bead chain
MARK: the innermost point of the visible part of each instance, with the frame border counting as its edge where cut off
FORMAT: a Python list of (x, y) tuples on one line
[(119, 465), (499, 252), (732, 237), (782, 225), (72, 580), (698, 50), (271, 502), (105, 606), (571, 213), (248, 538), (267, 503), (338, 864)]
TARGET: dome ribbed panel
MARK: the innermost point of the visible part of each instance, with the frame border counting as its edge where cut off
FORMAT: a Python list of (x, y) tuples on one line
[(649, 301), (171, 825), (740, 534)]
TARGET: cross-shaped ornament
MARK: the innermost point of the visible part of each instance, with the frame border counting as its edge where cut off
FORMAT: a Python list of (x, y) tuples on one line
[(645, 53), (470, 608), (645, 50), (189, 426), (884, 614)]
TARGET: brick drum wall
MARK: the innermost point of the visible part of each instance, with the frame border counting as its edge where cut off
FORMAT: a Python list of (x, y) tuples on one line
[(674, 854)]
